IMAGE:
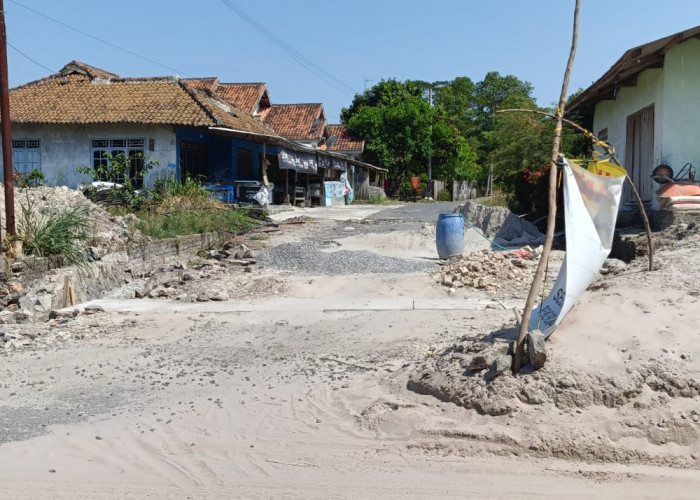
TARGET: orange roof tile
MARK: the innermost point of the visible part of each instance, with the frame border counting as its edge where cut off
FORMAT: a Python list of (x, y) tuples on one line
[(250, 97), (210, 83), (81, 94), (346, 141), (296, 121)]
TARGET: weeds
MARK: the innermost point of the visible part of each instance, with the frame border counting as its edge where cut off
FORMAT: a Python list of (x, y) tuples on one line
[(193, 221), (59, 233)]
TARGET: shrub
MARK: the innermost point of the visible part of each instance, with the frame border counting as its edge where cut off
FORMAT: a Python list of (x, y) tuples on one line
[(444, 195)]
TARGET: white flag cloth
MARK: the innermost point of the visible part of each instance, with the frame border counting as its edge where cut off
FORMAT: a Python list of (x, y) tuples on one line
[(591, 203)]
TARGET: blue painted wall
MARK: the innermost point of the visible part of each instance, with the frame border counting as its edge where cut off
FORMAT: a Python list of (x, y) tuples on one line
[(223, 153)]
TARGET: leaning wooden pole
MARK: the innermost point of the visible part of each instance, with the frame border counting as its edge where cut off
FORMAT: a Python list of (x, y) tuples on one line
[(6, 130), (613, 158), (551, 219)]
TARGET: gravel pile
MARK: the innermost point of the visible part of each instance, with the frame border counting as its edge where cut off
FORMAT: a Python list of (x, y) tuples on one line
[(309, 258)]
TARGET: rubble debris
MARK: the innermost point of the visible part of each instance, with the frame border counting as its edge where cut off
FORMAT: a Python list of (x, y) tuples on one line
[(502, 225), (490, 270)]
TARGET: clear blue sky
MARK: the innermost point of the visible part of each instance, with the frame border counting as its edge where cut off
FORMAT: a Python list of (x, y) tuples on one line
[(350, 41)]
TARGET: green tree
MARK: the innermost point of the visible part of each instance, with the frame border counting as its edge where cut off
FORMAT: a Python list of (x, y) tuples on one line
[(402, 131)]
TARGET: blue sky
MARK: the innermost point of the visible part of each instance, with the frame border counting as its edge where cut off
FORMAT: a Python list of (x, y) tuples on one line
[(348, 44)]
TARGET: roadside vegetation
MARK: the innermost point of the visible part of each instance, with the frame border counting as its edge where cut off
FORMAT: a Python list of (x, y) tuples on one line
[(453, 126), (172, 208)]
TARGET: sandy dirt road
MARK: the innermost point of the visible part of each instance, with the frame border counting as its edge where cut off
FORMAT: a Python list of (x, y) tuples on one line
[(298, 395)]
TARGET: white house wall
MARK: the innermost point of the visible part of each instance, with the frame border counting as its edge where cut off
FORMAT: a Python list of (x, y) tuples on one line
[(64, 148), (613, 114), (674, 91), (681, 105)]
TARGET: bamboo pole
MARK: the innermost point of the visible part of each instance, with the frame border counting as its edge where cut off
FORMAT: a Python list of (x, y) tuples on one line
[(551, 219), (613, 158)]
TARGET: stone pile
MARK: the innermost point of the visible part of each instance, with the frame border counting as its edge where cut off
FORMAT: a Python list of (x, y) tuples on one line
[(488, 270)]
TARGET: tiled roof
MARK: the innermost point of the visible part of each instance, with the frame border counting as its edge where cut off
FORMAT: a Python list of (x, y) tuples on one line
[(296, 121), (210, 83), (346, 141), (81, 94), (228, 114), (247, 96)]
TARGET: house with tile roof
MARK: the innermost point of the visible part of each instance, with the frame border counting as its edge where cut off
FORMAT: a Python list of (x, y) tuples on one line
[(302, 123), (82, 115), (341, 140), (253, 98)]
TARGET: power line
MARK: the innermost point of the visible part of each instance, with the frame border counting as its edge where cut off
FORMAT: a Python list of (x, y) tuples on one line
[(295, 54), (77, 30), (29, 58)]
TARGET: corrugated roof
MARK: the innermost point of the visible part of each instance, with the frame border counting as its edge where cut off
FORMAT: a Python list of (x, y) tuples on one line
[(346, 141), (298, 122), (625, 71)]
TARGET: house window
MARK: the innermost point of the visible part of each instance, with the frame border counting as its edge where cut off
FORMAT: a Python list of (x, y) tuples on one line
[(134, 149), (26, 155)]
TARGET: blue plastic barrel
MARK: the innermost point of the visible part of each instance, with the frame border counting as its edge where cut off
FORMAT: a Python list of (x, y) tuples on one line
[(449, 235)]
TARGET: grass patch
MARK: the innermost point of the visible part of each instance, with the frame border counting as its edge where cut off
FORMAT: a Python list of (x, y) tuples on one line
[(195, 220), (55, 233), (498, 199)]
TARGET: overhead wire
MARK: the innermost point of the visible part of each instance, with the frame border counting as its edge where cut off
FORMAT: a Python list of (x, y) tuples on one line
[(101, 40), (293, 53), (29, 58)]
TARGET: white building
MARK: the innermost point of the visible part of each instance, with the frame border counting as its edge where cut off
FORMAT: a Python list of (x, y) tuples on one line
[(647, 107)]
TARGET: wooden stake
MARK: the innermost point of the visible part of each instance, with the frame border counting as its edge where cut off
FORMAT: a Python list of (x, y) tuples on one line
[(65, 290), (551, 219)]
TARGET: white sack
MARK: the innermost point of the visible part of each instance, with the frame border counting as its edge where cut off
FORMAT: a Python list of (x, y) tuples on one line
[(591, 204)]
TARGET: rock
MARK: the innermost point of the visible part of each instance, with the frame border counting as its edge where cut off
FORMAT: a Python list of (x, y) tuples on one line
[(479, 362), (501, 365), (63, 313), (536, 349), (187, 277), (219, 295), (93, 309)]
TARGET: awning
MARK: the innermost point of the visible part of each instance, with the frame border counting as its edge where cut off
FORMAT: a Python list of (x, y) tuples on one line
[(301, 162)]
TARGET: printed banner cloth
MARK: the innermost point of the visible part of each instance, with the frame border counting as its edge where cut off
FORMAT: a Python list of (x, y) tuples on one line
[(591, 203)]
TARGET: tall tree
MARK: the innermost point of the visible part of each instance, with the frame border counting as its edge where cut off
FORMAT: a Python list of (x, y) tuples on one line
[(402, 131)]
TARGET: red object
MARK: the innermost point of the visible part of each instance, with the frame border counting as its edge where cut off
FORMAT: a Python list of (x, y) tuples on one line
[(415, 183), (671, 189)]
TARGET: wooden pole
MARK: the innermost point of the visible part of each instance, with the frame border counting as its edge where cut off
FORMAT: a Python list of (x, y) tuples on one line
[(551, 219), (613, 158), (6, 128)]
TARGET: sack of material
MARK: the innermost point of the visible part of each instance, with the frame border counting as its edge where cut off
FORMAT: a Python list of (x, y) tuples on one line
[(591, 203)]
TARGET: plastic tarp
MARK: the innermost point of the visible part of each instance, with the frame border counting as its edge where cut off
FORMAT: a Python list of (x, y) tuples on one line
[(591, 203)]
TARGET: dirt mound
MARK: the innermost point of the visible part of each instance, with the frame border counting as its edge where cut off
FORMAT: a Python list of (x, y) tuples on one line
[(502, 225)]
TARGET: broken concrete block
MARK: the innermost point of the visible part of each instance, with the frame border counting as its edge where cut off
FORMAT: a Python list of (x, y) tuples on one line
[(501, 365), (536, 349)]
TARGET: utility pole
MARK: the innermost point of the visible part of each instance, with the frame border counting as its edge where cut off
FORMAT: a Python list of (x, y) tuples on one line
[(6, 129), (430, 154)]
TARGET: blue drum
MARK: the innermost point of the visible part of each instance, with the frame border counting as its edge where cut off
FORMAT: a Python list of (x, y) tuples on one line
[(449, 235)]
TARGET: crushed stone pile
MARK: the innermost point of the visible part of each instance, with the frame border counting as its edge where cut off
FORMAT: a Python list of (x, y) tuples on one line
[(489, 270), (502, 225)]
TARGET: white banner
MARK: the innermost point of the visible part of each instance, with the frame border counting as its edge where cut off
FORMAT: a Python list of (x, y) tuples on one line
[(591, 203)]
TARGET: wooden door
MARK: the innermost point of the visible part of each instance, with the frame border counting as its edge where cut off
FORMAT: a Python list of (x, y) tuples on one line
[(639, 152)]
